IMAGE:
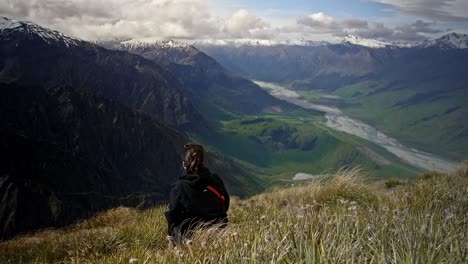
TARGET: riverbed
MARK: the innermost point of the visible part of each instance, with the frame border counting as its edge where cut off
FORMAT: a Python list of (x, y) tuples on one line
[(340, 122)]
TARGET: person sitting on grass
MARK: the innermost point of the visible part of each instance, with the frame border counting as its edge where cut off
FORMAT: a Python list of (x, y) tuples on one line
[(198, 198)]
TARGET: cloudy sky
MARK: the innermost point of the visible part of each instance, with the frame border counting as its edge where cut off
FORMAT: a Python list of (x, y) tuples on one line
[(394, 20)]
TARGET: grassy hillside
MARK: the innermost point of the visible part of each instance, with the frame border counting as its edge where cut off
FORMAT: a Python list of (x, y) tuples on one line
[(342, 218)]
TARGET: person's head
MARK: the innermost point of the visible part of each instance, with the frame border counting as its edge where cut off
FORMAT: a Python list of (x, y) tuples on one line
[(193, 157)]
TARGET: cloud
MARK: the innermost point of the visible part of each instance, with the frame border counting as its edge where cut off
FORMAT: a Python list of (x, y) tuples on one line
[(419, 27), (243, 24), (354, 23), (440, 10), (157, 19), (412, 32), (92, 19), (376, 31), (193, 19), (322, 23), (318, 22), (416, 31)]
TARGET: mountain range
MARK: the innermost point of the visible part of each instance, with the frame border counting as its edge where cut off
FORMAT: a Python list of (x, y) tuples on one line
[(452, 40), (214, 90)]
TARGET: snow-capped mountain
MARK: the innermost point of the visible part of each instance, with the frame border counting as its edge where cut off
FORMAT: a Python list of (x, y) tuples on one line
[(258, 42), (31, 30), (375, 43), (237, 42), (371, 43), (9, 27), (348, 40), (307, 43), (141, 46), (167, 51), (167, 44), (449, 41)]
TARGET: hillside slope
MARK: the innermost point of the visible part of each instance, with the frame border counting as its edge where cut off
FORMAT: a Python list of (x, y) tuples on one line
[(343, 218)]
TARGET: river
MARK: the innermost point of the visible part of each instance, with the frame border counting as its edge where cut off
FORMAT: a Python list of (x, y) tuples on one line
[(338, 121)]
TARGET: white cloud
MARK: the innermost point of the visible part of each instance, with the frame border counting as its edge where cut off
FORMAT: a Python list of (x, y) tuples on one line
[(318, 21), (320, 18), (91, 19), (157, 19), (243, 24), (322, 23), (194, 19)]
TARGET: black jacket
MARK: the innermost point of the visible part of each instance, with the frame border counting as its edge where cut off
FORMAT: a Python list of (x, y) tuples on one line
[(191, 202)]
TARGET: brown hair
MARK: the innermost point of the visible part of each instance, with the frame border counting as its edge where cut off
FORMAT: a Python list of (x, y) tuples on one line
[(193, 157)]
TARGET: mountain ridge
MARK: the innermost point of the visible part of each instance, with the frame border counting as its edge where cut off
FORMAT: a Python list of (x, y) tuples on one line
[(203, 77), (451, 40), (30, 58), (32, 30)]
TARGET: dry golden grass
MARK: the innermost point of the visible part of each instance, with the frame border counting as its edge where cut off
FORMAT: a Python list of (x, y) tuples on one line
[(345, 218)]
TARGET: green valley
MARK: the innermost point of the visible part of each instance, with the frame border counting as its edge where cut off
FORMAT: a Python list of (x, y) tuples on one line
[(279, 145)]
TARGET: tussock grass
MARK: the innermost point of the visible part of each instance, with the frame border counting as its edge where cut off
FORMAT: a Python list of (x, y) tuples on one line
[(345, 218)]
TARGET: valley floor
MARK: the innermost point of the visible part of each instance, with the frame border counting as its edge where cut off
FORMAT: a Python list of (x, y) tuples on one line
[(344, 218)]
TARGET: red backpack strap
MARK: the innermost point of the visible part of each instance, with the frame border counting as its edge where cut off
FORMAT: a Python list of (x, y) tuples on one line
[(220, 196)]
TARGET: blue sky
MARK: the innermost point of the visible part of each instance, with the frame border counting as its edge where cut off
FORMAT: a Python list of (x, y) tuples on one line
[(390, 20)]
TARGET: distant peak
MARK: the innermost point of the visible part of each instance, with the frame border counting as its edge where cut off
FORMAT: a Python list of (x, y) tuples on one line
[(450, 41), (9, 27), (351, 36), (454, 34), (237, 42), (371, 43), (6, 23), (134, 44)]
